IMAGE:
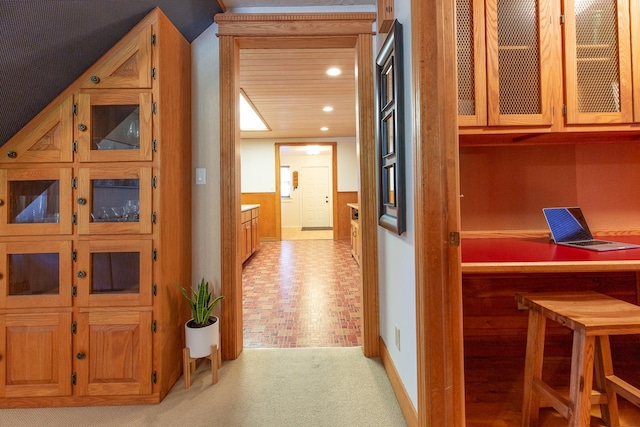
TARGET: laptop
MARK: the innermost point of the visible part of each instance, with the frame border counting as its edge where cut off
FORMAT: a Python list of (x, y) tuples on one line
[(569, 228)]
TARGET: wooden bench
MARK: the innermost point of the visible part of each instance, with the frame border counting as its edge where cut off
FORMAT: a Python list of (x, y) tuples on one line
[(592, 317)]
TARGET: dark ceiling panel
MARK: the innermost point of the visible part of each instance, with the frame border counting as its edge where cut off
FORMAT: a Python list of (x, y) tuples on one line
[(46, 44)]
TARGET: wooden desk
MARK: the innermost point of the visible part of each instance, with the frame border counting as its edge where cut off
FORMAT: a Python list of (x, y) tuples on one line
[(494, 270), (511, 255)]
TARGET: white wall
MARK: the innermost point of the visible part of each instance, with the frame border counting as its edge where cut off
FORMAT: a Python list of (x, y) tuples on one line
[(258, 163), (396, 254), (205, 124)]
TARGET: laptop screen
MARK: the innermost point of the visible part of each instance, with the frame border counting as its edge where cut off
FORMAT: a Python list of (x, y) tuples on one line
[(567, 224)]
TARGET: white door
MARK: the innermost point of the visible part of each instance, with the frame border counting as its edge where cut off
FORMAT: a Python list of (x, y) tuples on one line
[(316, 196)]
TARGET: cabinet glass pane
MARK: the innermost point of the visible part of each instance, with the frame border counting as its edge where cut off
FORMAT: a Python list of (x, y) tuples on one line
[(115, 273), (597, 56), (34, 274), (519, 57), (466, 62), (115, 200), (115, 127), (34, 201)]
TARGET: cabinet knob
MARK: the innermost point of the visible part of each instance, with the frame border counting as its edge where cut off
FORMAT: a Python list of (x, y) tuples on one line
[(12, 154), (1, 202), (82, 127), (95, 79), (82, 200), (80, 355), (82, 274)]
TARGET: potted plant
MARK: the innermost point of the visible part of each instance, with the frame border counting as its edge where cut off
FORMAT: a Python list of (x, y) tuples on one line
[(203, 329)]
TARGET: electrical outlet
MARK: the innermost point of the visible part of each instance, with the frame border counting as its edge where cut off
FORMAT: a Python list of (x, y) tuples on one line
[(398, 338)]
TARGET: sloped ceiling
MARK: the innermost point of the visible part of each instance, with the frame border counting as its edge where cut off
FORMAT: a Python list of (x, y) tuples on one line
[(46, 44)]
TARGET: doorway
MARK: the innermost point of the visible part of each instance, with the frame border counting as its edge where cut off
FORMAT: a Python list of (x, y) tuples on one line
[(246, 31), (283, 208)]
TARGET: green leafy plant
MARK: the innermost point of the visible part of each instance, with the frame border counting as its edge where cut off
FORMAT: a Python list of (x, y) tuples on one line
[(201, 303)]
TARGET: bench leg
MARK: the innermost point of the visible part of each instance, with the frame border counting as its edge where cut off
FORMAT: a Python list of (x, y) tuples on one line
[(533, 368), (581, 379), (603, 369)]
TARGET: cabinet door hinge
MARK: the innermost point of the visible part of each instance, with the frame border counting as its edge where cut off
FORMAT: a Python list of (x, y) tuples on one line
[(153, 73), (154, 326), (564, 110), (74, 327), (73, 379), (74, 183), (561, 19), (154, 182), (454, 238), (154, 254), (154, 145), (154, 218), (74, 146), (74, 219), (153, 39), (154, 290), (74, 290), (154, 107), (74, 109), (74, 255), (154, 377)]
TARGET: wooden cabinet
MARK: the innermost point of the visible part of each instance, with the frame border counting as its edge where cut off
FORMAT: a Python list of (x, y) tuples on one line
[(597, 48), (94, 193), (250, 231), (514, 88), (549, 67), (635, 55), (36, 355), (355, 232)]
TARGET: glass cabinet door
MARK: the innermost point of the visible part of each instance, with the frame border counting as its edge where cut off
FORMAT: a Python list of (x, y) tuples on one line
[(472, 88), (114, 273), (35, 274), (114, 200), (598, 62), (35, 201), (519, 63), (114, 127)]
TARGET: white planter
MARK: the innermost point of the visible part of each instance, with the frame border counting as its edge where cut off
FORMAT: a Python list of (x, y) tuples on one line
[(200, 340)]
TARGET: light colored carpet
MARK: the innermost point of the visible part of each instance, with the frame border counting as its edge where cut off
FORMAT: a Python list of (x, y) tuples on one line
[(300, 387)]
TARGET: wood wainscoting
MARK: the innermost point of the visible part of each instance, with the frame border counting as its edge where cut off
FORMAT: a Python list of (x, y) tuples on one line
[(343, 222), (267, 202)]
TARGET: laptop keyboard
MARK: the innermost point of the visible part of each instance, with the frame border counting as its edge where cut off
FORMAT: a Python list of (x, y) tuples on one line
[(590, 243)]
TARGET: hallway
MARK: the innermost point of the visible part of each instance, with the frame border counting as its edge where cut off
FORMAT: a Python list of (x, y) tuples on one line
[(301, 293)]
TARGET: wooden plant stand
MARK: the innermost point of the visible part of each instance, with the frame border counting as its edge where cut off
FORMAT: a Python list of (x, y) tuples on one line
[(189, 364)]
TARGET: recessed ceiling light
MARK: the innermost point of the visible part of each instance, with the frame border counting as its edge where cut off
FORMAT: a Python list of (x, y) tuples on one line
[(327, 109), (324, 129), (334, 71)]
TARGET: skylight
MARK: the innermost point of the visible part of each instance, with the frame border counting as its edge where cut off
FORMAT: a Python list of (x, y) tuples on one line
[(250, 119)]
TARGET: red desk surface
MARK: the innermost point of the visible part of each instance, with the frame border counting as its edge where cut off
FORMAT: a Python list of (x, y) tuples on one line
[(509, 255)]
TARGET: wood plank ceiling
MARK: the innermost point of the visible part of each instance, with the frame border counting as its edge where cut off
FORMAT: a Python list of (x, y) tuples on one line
[(290, 87)]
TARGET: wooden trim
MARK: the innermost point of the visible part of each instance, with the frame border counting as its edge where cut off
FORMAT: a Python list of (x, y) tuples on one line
[(266, 26), (408, 410), (437, 213), (367, 212), (230, 200), (295, 24)]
